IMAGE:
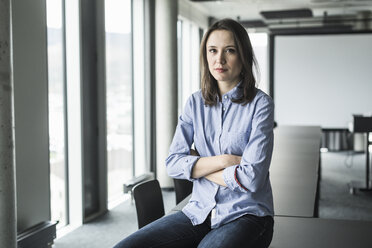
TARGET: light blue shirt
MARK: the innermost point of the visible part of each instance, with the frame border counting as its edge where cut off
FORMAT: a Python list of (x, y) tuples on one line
[(227, 128)]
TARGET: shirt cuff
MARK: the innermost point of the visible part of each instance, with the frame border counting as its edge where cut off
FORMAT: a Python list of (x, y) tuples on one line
[(231, 179), (188, 165)]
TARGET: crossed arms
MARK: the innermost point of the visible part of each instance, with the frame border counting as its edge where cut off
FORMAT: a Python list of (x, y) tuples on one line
[(212, 167)]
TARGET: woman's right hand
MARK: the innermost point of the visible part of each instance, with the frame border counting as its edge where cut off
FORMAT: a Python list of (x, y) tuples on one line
[(230, 160)]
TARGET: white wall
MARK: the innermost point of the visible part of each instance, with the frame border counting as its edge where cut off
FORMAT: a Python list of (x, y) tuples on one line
[(322, 79), (31, 111)]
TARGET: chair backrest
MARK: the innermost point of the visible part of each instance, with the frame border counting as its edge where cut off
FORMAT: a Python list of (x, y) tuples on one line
[(183, 188), (149, 202)]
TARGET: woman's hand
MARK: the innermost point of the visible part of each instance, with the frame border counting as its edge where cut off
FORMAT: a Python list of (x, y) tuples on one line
[(207, 165), (228, 160)]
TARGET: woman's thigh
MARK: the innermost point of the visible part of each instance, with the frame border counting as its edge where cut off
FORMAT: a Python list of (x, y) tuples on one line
[(247, 231), (174, 230)]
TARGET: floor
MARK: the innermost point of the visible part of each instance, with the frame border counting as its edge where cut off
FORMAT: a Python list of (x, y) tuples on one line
[(336, 202), (109, 229)]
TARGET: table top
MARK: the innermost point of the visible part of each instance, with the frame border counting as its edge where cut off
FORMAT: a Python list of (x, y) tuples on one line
[(294, 170), (294, 232)]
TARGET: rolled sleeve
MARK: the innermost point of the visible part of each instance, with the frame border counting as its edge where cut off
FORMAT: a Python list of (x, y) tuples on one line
[(229, 176), (179, 162), (188, 165), (180, 166)]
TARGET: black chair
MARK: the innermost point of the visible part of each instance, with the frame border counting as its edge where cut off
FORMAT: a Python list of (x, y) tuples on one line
[(183, 188), (149, 202)]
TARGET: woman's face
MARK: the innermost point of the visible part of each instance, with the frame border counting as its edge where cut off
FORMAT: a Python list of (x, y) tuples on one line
[(222, 55)]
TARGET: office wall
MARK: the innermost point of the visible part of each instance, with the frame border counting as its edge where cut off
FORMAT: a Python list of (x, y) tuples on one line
[(31, 111), (322, 79)]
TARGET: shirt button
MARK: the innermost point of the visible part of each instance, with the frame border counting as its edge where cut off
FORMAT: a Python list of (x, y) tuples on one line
[(225, 97), (224, 109)]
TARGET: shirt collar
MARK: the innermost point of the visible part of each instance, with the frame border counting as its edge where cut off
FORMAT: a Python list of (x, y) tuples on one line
[(235, 92)]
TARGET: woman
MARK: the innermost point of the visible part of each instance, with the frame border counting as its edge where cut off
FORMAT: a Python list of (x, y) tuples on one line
[(230, 124)]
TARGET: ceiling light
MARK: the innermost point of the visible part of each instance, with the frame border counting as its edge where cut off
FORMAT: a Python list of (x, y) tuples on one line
[(283, 14)]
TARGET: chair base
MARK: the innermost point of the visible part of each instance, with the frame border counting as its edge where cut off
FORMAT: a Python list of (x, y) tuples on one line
[(355, 186)]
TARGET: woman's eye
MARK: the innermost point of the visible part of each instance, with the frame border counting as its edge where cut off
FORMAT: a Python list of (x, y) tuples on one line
[(212, 50), (230, 50)]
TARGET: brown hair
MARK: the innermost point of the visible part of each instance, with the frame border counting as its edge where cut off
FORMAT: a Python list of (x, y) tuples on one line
[(210, 90)]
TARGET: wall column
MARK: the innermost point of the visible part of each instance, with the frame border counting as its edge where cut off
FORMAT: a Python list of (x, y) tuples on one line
[(30, 94), (166, 82), (7, 171)]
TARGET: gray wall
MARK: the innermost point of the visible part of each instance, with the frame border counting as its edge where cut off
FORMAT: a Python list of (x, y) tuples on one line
[(31, 112)]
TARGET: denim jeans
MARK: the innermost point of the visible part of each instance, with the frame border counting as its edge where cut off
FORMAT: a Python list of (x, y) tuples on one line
[(177, 231)]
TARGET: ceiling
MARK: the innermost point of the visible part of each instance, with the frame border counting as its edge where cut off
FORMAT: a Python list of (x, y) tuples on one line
[(250, 9)]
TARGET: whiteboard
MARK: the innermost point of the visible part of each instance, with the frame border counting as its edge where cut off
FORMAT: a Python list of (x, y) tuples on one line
[(322, 79)]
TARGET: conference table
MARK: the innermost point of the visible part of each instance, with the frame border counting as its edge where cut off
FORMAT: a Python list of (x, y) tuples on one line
[(294, 170), (294, 175)]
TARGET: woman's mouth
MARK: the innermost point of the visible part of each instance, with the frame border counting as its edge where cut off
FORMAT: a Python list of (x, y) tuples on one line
[(220, 70)]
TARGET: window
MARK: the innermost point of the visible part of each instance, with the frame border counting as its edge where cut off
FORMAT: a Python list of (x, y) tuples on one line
[(179, 65), (118, 19), (56, 101), (189, 36), (259, 43), (140, 101)]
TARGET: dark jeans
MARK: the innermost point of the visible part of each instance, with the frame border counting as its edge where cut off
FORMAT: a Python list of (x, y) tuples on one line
[(177, 231)]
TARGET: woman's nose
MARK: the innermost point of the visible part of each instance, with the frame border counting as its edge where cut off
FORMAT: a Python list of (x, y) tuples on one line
[(221, 58)]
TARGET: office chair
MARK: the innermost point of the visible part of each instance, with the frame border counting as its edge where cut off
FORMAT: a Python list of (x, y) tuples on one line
[(183, 188), (149, 202)]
